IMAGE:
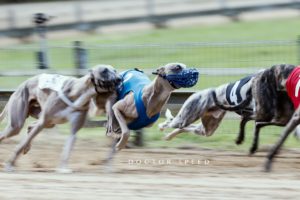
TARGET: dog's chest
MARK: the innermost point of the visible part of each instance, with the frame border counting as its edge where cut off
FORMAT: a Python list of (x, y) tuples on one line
[(293, 87), (52, 81), (237, 92)]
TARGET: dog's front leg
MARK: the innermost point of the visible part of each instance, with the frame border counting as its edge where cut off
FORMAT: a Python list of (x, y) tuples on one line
[(241, 135), (112, 126), (294, 121), (77, 120), (117, 108), (34, 131)]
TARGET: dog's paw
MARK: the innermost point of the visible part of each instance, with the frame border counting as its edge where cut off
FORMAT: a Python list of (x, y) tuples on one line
[(64, 170), (169, 137), (161, 127), (239, 141), (8, 167), (26, 149), (122, 142), (252, 151), (119, 147), (268, 166)]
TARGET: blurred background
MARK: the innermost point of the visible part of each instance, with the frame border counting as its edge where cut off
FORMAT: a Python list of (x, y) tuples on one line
[(225, 39)]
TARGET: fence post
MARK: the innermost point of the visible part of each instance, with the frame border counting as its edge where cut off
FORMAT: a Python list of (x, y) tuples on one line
[(40, 20), (231, 13), (150, 7), (79, 16), (11, 18), (80, 55)]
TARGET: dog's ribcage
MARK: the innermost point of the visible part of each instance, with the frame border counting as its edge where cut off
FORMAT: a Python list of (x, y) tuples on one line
[(237, 92)]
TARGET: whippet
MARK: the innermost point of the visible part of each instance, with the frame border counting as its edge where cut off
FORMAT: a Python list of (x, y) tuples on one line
[(140, 100), (207, 105), (54, 99)]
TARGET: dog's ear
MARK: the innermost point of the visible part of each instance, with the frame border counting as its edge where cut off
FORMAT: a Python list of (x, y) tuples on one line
[(159, 71), (92, 77), (169, 115), (280, 80)]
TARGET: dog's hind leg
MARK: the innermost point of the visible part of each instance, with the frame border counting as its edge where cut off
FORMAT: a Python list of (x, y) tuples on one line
[(176, 132), (17, 110), (211, 122), (241, 135), (77, 120), (34, 131), (294, 121)]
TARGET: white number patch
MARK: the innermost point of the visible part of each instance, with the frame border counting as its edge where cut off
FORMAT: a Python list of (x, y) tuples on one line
[(233, 92), (297, 88)]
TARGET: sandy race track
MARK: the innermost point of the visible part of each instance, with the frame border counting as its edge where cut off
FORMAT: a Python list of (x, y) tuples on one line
[(146, 173)]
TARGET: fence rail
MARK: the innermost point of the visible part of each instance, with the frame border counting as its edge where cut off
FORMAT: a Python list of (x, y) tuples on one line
[(233, 57), (155, 12), (174, 103)]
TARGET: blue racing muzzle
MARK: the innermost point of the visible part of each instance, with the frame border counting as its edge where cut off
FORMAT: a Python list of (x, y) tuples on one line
[(186, 78)]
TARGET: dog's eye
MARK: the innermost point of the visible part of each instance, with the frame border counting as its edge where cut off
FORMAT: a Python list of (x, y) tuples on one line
[(104, 72), (177, 68)]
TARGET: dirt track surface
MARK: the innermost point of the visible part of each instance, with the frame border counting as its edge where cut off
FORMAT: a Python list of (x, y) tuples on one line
[(146, 173)]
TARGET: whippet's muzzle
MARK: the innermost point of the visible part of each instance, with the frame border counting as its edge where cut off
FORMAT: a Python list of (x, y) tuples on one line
[(186, 78)]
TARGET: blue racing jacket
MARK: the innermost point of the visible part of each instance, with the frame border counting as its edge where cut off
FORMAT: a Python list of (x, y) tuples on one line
[(135, 81)]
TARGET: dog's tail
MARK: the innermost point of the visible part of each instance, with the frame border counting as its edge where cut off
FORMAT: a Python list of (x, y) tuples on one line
[(238, 107)]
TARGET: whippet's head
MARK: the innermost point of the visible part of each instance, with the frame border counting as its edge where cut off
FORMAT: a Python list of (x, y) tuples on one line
[(178, 75), (105, 78)]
